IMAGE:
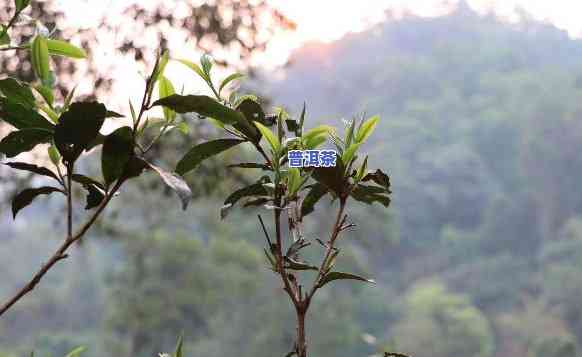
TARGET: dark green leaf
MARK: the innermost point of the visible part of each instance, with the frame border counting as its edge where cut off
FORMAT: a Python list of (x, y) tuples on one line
[(176, 183), (87, 181), (292, 126), (202, 152), (32, 168), (256, 189), (23, 141), (117, 149), (95, 196), (379, 178), (135, 167), (331, 177), (336, 275), (252, 112), (257, 202), (371, 194), (17, 92), (112, 114), (4, 37), (78, 127), (316, 192), (301, 121), (203, 105), (21, 116), (250, 165), (297, 265), (21, 4), (26, 197)]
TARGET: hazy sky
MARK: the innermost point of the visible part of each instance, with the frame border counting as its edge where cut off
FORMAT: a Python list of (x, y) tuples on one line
[(329, 19), (322, 20)]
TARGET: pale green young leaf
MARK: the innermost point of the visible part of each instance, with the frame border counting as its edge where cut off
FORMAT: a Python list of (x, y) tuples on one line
[(62, 48), (269, 136), (366, 129), (40, 58), (348, 155), (227, 80), (166, 89), (196, 68)]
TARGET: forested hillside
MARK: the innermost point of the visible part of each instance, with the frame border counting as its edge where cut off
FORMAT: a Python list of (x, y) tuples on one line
[(480, 255)]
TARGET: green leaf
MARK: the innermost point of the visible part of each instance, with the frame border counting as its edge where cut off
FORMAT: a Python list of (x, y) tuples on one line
[(367, 128), (43, 171), (350, 133), (78, 127), (54, 155), (203, 105), (227, 80), (202, 152), (315, 141), (380, 178), (371, 194), (293, 181), (159, 71), (95, 196), (316, 192), (40, 58), (17, 92), (193, 66), (176, 183), (183, 128), (336, 275), (297, 265), (117, 149), (46, 93), (252, 111), (256, 189), (250, 165), (87, 181), (21, 116), (301, 121), (26, 197), (331, 177), (21, 4), (76, 352), (206, 62), (269, 136), (4, 37), (348, 155), (23, 140), (166, 89), (112, 114), (62, 48), (178, 350), (317, 131)]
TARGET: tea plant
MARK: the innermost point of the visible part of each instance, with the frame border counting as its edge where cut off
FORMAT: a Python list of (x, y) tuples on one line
[(290, 187), (287, 188)]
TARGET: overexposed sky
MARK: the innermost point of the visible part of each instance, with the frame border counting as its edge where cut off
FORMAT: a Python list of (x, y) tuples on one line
[(327, 20), (317, 20)]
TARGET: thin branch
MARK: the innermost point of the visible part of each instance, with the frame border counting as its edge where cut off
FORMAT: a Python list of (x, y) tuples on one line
[(340, 218), (265, 231), (70, 169), (60, 253)]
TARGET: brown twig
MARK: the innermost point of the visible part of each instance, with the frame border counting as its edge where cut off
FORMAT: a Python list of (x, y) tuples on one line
[(60, 254)]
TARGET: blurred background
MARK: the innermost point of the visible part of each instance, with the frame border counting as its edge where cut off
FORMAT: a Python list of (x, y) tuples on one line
[(479, 255)]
